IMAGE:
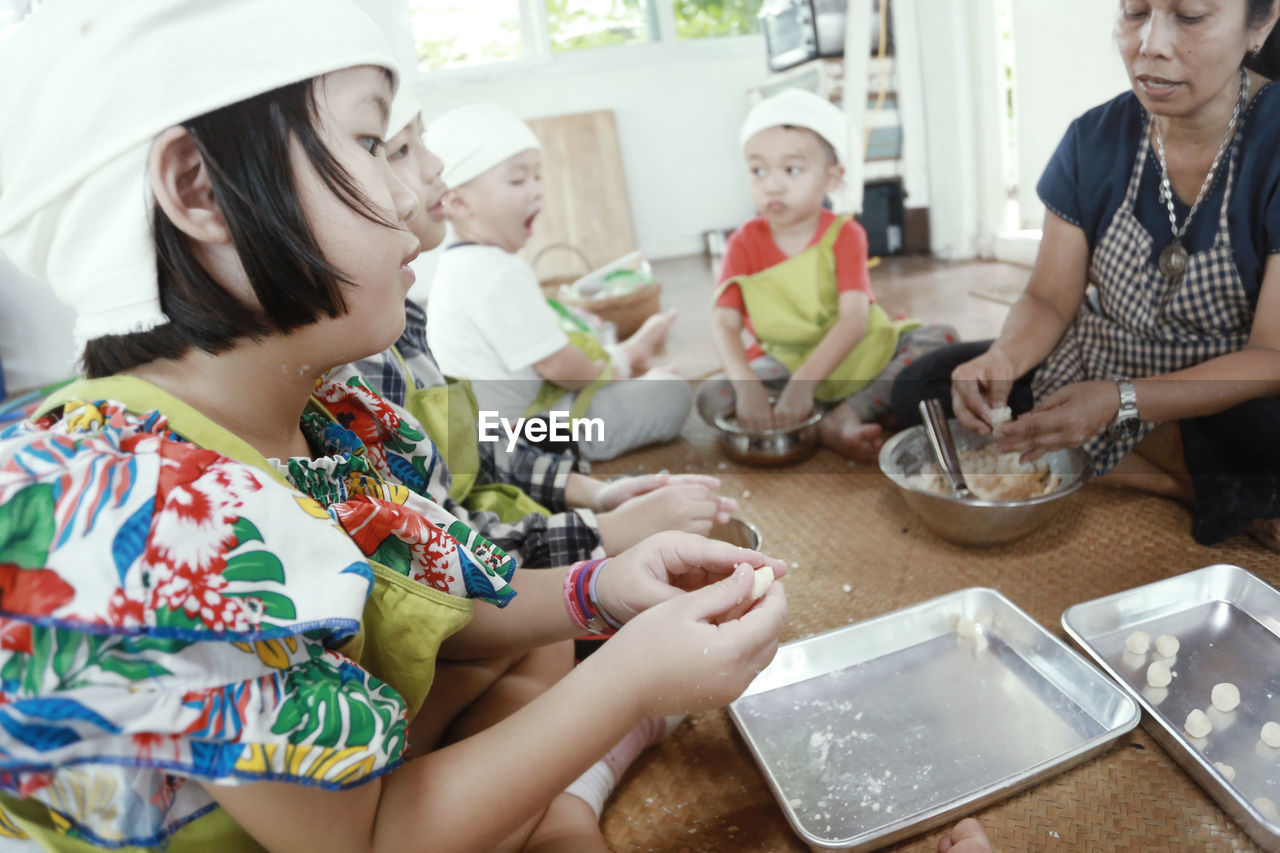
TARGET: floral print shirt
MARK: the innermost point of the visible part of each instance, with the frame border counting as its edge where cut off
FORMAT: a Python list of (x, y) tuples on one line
[(169, 614)]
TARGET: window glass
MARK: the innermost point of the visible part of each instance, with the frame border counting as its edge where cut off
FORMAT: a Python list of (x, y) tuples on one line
[(697, 19), (463, 33), (579, 24)]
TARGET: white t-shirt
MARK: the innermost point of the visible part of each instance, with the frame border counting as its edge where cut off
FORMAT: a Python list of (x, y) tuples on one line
[(488, 321)]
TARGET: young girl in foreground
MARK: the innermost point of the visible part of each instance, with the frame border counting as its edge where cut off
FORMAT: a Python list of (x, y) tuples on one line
[(222, 597)]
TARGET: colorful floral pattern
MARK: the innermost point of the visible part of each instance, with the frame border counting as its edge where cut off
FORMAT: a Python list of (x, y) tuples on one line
[(167, 613)]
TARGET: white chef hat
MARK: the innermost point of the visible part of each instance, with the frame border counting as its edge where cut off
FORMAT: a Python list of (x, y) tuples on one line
[(802, 108), (392, 19), (403, 108), (473, 139), (101, 81)]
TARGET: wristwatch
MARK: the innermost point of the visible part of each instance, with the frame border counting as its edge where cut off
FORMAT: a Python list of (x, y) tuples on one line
[(1127, 422)]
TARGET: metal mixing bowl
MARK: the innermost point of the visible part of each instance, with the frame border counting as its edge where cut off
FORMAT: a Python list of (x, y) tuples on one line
[(975, 522), (737, 531), (770, 448)]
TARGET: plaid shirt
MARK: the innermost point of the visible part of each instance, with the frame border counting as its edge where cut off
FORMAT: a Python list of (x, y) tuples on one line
[(537, 541)]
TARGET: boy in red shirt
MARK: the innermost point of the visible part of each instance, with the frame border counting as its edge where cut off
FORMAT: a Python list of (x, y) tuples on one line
[(795, 281)]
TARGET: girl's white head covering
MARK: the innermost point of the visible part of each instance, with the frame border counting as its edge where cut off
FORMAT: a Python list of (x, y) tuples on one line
[(802, 108), (473, 139), (403, 108), (392, 19), (102, 80)]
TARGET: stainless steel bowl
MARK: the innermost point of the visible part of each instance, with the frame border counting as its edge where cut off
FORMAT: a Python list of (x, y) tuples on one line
[(770, 448), (975, 522), (737, 531)]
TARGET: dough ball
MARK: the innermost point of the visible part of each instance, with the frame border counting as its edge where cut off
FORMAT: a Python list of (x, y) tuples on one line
[(966, 627), (1158, 675), (1198, 724), (1225, 696), (1271, 735), (1167, 645), (1000, 415), (1138, 642), (1228, 772), (762, 581), (1267, 808)]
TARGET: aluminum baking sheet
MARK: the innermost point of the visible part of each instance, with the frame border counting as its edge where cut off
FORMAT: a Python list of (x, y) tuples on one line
[(880, 730), (1227, 622)]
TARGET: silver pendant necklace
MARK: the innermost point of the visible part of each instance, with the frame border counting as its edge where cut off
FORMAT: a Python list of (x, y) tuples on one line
[(1173, 260)]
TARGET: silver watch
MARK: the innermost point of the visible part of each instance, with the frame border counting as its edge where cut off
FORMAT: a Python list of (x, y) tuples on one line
[(1127, 421)]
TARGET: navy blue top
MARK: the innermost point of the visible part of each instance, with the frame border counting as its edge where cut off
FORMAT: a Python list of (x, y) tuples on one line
[(1087, 176)]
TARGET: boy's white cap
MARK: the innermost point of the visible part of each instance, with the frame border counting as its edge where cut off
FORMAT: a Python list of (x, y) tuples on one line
[(801, 108), (473, 139), (102, 79)]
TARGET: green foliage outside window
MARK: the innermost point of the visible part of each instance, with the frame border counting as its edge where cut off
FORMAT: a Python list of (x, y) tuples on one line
[(709, 18)]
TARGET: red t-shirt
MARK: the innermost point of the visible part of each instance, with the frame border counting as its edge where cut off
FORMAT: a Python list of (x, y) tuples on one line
[(752, 249)]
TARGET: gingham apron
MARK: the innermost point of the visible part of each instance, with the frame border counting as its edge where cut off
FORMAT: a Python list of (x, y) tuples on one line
[(1135, 322)]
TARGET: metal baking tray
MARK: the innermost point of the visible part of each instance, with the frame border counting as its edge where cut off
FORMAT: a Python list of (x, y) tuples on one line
[(880, 730), (1227, 621)]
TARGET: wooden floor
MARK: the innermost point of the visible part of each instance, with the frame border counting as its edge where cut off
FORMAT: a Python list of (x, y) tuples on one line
[(973, 296)]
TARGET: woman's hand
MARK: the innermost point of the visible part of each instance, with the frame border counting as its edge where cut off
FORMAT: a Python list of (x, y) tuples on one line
[(794, 405), (682, 655), (1067, 418), (687, 502), (753, 409), (980, 385), (667, 564)]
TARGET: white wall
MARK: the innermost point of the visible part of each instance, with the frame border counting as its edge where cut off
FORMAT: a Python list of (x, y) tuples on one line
[(1065, 62), (678, 109)]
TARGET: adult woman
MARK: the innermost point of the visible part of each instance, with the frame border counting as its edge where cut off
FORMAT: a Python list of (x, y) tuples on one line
[(1152, 318), (227, 604)]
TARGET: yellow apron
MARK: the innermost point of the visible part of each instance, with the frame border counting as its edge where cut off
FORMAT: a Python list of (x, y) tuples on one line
[(448, 414), (404, 622), (792, 306)]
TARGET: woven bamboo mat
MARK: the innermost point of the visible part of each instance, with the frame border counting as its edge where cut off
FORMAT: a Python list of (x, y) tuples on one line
[(842, 524)]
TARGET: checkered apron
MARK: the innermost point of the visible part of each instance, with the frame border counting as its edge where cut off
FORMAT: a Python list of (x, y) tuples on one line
[(1136, 322)]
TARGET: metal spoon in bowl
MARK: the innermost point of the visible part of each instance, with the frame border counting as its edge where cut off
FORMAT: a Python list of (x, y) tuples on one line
[(944, 447)]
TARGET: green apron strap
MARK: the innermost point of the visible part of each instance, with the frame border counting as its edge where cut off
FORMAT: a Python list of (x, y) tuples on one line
[(139, 396), (825, 243), (549, 393)]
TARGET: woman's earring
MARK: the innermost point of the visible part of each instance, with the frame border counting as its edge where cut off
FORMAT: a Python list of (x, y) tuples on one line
[(1256, 49)]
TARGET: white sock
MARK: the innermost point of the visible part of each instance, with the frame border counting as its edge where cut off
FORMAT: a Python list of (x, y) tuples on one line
[(601, 778), (594, 786)]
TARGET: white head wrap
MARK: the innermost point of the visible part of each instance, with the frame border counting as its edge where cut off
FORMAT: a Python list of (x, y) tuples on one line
[(403, 108), (393, 20), (473, 139), (101, 81), (802, 108)]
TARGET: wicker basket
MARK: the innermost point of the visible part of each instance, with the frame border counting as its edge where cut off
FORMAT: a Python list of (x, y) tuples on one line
[(627, 312)]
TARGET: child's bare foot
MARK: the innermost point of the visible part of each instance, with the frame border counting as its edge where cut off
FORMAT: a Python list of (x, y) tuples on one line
[(647, 340), (842, 432), (1266, 531), (966, 837)]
